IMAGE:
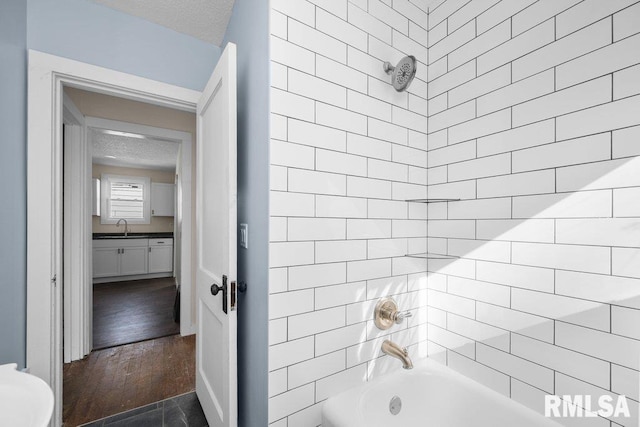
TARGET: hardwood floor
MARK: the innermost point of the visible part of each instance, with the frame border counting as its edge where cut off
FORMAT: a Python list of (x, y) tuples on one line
[(121, 378), (127, 312)]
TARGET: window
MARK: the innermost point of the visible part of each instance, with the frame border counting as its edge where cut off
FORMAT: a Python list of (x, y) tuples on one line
[(125, 197)]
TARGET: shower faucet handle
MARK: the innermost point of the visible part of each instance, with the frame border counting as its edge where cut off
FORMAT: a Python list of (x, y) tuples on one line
[(386, 313), (401, 316)]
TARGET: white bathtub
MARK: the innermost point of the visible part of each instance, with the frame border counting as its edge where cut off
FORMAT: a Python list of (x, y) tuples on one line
[(431, 395)]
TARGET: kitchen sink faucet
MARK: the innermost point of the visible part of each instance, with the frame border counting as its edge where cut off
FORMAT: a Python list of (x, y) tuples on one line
[(126, 226)]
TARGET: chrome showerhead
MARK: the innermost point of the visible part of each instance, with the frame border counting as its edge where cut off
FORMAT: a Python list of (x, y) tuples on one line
[(402, 74)]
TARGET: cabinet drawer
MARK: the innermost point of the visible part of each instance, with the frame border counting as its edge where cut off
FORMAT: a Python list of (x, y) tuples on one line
[(161, 242)]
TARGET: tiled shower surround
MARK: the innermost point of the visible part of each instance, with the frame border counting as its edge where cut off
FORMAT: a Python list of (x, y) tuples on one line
[(534, 109), (532, 120), (347, 150)]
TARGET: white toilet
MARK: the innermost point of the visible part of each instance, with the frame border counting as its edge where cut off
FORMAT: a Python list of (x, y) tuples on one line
[(25, 400)]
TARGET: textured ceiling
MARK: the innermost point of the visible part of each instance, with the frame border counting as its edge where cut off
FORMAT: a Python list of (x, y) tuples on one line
[(204, 19), (144, 153)]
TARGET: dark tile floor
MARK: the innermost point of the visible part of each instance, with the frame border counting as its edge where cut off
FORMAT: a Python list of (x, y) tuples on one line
[(179, 411)]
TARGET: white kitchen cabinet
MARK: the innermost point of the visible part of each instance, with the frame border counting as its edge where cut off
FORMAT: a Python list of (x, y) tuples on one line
[(163, 199), (106, 262), (160, 255), (133, 260), (120, 257)]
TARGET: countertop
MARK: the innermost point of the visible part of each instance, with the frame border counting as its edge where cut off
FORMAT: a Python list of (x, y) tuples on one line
[(103, 236)]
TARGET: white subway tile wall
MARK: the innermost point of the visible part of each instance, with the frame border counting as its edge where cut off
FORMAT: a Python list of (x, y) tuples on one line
[(534, 121), (347, 150), (526, 110)]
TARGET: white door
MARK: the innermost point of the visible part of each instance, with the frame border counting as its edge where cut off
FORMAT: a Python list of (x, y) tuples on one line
[(216, 370)]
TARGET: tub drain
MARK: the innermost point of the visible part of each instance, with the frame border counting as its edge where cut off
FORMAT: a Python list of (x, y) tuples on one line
[(395, 405)]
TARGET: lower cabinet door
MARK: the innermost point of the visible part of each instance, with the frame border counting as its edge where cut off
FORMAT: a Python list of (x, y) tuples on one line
[(106, 262), (133, 261), (160, 259)]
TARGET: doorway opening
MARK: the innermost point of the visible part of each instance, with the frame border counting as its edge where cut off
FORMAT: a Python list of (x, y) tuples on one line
[(215, 267), (127, 190)]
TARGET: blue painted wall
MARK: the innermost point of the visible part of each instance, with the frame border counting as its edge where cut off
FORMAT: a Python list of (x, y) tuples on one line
[(87, 32), (249, 29), (13, 180)]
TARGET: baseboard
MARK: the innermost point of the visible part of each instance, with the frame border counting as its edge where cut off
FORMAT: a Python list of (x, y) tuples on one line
[(187, 330), (134, 277)]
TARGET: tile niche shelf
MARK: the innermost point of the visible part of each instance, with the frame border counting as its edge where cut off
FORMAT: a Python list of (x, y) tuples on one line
[(431, 200), (428, 255)]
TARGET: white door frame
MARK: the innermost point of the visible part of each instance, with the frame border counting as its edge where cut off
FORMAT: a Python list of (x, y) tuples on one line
[(46, 76), (77, 236), (182, 223)]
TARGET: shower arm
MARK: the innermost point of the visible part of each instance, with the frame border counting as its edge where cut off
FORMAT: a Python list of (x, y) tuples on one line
[(388, 68)]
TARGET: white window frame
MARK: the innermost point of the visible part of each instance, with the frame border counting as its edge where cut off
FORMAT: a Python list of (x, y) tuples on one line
[(105, 192)]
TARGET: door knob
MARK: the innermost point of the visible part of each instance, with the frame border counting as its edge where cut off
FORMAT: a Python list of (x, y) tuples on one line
[(215, 289), (242, 287)]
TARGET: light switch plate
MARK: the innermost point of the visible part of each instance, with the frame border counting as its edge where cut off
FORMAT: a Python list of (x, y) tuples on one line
[(244, 235)]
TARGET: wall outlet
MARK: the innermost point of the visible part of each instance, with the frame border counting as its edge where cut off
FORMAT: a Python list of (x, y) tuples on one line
[(244, 235)]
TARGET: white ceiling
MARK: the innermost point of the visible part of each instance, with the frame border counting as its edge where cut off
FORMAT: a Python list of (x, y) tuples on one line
[(124, 151), (203, 19)]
